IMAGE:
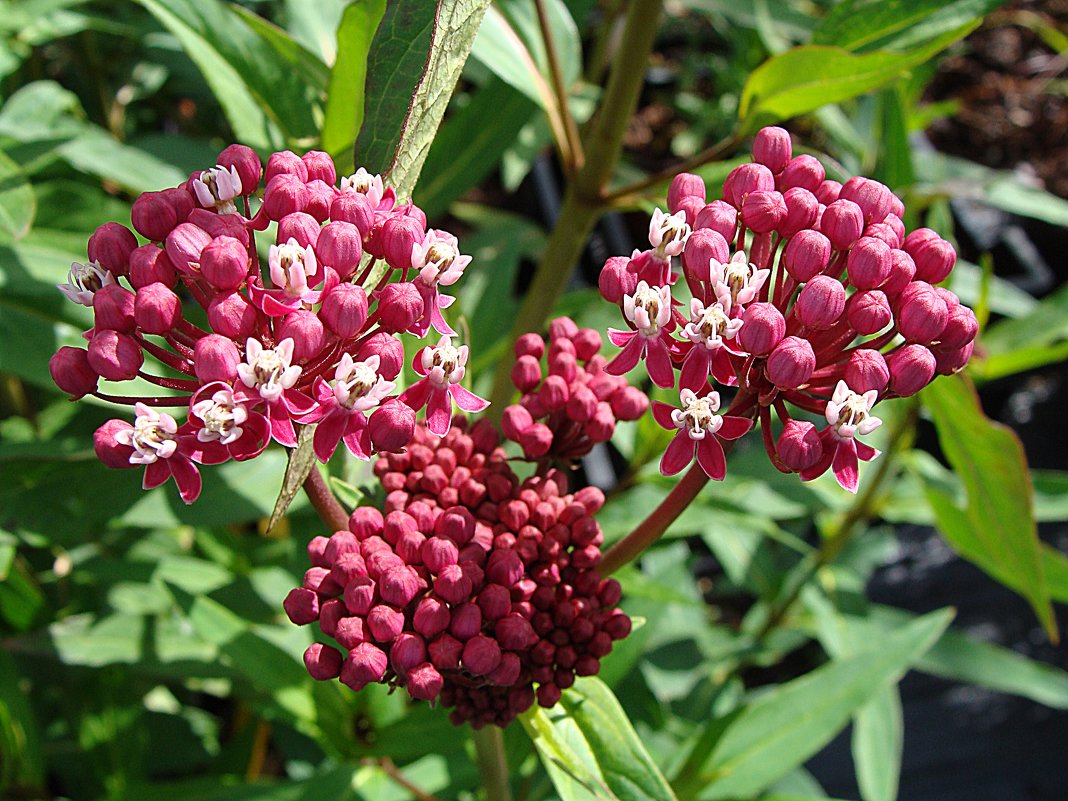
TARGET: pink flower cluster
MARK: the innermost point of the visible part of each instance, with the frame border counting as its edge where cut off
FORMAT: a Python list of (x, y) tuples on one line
[(469, 590), (563, 415), (297, 341), (797, 289)]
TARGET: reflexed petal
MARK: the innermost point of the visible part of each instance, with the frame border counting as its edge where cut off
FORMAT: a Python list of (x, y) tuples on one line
[(256, 438), (281, 426), (662, 415), (658, 362), (830, 445), (439, 412), (155, 474), (416, 396), (620, 338), (694, 375), (628, 358), (734, 427), (679, 453), (358, 440), (329, 433), (845, 465), (710, 457), (865, 452), (467, 400), (187, 477)]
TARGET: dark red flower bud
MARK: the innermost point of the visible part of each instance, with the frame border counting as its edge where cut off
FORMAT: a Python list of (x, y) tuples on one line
[(70, 370), (111, 245), (232, 315), (445, 652), (762, 329), (867, 370), (320, 166), (322, 662), (248, 166), (115, 356), (154, 216), (286, 162), (424, 682), (744, 180), (108, 450), (149, 265), (481, 655), (466, 621), (921, 313), (157, 309), (791, 364), (355, 208), (285, 194), (385, 623), (807, 255), (821, 303), (912, 367), (113, 308), (400, 306), (184, 245), (703, 247), (302, 606), (365, 664), (224, 263)]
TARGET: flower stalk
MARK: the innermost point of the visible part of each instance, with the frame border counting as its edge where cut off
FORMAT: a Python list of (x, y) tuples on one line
[(492, 762)]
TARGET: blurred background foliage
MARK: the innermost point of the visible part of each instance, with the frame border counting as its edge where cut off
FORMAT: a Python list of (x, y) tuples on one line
[(144, 650)]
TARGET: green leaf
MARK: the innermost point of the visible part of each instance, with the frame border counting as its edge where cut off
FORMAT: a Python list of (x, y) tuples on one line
[(590, 749), (878, 740), (1055, 565), (301, 462), (20, 738), (804, 78), (307, 64), (414, 63), (864, 25), (764, 740), (18, 204), (345, 95), (96, 152), (996, 530)]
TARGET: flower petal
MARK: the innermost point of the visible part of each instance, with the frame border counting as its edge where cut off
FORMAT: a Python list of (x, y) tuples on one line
[(662, 414), (711, 458), (416, 396), (734, 427), (845, 465), (439, 412), (155, 474), (329, 433), (467, 400), (694, 375), (678, 454), (628, 358), (187, 477)]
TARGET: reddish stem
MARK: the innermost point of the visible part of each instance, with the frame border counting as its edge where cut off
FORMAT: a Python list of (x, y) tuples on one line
[(172, 400), (331, 512), (169, 383)]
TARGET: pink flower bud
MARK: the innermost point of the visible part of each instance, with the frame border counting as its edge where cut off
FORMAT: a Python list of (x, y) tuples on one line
[(215, 359), (961, 328), (587, 342), (702, 247), (385, 623), (111, 245), (330, 614), (803, 172), (791, 364), (320, 166), (495, 602), (744, 180), (232, 315), (873, 197), (515, 420), (530, 345), (554, 393), (366, 663), (320, 198), (224, 263), (772, 148), (184, 246), (339, 544), (302, 606), (285, 194), (306, 330), (691, 207), (562, 328), (507, 672), (867, 370), (717, 216), (615, 280), (70, 370), (536, 440), (115, 356), (629, 403), (390, 353), (340, 246), (563, 364), (912, 367), (399, 235), (322, 662), (438, 553), (365, 522), (248, 166), (515, 633), (869, 263), (807, 255), (359, 595), (827, 192), (149, 265), (921, 313), (395, 526), (452, 585), (391, 426), (408, 651), (399, 585), (763, 327), (153, 216), (802, 208), (884, 233), (582, 405), (466, 621), (481, 655), (344, 310), (431, 616), (868, 311), (400, 306), (157, 309), (300, 226), (526, 373), (951, 361), (934, 257), (842, 223), (902, 271), (821, 303), (445, 652), (424, 682), (286, 162), (504, 568), (347, 567), (355, 208), (113, 308), (685, 185), (108, 450)]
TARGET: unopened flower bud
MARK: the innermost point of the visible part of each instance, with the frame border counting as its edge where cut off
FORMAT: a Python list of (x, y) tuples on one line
[(445, 652), (340, 245), (355, 208), (629, 403), (515, 633), (466, 621), (322, 662), (873, 197), (184, 245), (791, 364), (481, 655), (115, 356), (495, 602), (113, 308), (365, 664), (70, 370), (807, 255), (452, 585), (869, 263), (802, 209), (933, 255), (299, 226), (285, 194), (820, 303), (587, 343), (391, 426), (868, 311), (902, 272), (216, 359), (390, 353), (398, 586), (951, 361), (763, 328), (921, 313), (744, 180), (772, 148), (306, 330), (530, 345), (827, 192), (961, 328), (615, 280), (110, 451), (224, 263), (400, 306), (110, 246), (884, 233), (385, 623), (247, 164), (150, 265), (536, 441), (703, 246), (157, 309), (320, 166), (286, 162), (718, 216), (685, 185), (912, 367), (319, 199), (504, 568), (554, 393), (842, 223), (153, 216), (515, 420), (232, 315), (344, 310), (582, 405), (867, 370), (400, 234), (804, 172), (302, 606)]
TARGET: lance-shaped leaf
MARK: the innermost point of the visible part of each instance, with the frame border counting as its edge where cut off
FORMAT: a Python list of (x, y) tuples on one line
[(301, 463)]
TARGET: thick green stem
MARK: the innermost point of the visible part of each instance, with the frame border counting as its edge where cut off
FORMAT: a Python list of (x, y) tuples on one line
[(492, 763), (583, 201)]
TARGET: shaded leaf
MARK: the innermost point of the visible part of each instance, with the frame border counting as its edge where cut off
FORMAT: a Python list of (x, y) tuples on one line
[(864, 25), (18, 204)]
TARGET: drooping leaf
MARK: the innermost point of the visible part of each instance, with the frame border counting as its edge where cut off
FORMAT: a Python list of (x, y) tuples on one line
[(414, 63), (590, 749), (996, 530), (861, 26)]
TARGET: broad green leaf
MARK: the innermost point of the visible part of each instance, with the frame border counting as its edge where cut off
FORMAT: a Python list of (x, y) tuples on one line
[(307, 64), (864, 25), (590, 749), (878, 740), (315, 25), (414, 63), (996, 530), (804, 78), (18, 204), (302, 461), (1045, 325), (345, 95), (764, 740), (266, 99), (95, 152)]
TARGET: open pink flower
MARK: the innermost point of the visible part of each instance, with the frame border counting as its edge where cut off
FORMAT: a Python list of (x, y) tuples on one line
[(668, 234), (443, 367), (709, 329), (848, 415), (158, 445), (295, 273), (380, 197), (438, 261), (737, 281), (357, 388), (225, 427), (699, 430), (270, 374), (83, 282), (649, 311), (216, 189)]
